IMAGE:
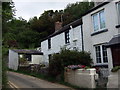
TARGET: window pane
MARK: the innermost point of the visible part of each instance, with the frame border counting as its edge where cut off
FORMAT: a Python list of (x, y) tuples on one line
[(104, 50), (67, 37), (95, 22), (98, 55), (102, 20), (49, 43)]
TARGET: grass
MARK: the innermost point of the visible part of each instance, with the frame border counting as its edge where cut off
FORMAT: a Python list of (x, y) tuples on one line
[(44, 77)]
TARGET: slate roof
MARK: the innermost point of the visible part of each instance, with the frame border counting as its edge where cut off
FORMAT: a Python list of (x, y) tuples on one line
[(65, 28), (114, 41), (26, 51), (77, 22)]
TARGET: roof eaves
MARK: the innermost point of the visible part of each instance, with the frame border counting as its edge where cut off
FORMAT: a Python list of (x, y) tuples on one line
[(94, 8), (65, 28)]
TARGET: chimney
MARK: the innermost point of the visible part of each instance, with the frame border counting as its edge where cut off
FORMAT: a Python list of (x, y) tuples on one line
[(58, 26)]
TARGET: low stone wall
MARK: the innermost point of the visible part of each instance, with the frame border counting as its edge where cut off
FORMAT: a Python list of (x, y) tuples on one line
[(82, 77)]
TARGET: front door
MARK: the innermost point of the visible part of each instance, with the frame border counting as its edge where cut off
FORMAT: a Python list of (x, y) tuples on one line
[(116, 55)]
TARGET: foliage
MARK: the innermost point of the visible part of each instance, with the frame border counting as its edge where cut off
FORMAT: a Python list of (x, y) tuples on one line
[(7, 15), (67, 57), (18, 31), (76, 10), (115, 69), (9, 40), (28, 39), (23, 61)]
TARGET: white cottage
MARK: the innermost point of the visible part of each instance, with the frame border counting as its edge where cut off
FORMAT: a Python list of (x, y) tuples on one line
[(69, 36), (32, 57), (101, 34)]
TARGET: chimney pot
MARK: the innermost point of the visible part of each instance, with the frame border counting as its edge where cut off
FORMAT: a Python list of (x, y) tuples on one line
[(58, 25)]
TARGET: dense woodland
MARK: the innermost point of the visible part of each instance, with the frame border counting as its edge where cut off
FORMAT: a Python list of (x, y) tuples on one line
[(19, 33)]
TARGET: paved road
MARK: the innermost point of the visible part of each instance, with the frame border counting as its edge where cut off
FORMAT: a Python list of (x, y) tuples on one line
[(24, 81)]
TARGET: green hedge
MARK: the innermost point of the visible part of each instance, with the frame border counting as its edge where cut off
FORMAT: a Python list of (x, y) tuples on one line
[(67, 57)]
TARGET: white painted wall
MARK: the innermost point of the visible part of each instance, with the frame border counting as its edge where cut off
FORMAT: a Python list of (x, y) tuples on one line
[(36, 59), (58, 42), (13, 60), (111, 21), (82, 78)]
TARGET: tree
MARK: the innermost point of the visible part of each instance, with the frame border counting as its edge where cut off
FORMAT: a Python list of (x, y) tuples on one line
[(28, 39), (7, 14), (75, 11)]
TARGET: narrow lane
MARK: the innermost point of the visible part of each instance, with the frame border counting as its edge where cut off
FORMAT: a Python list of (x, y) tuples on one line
[(24, 81)]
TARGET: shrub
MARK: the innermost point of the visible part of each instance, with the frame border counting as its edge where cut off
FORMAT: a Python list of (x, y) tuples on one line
[(4, 66), (115, 69), (67, 57)]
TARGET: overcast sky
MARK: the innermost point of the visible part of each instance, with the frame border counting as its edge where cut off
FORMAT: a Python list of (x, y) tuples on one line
[(30, 8)]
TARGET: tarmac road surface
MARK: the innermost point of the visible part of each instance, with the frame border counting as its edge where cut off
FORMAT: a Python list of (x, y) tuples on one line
[(19, 81)]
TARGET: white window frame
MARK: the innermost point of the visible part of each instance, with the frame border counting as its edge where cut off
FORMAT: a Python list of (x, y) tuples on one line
[(98, 16), (67, 37), (118, 12), (101, 53)]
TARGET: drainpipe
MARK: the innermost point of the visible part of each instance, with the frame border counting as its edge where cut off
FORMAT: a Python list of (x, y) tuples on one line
[(82, 38)]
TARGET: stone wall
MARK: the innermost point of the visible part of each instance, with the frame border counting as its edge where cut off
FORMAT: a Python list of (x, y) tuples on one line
[(82, 77)]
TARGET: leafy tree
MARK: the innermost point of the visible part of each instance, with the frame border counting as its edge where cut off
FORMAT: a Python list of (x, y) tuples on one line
[(76, 10), (9, 40), (28, 39), (7, 14)]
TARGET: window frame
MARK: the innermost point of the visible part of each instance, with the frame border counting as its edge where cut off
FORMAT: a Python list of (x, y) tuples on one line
[(102, 52), (99, 19), (118, 12), (49, 43), (67, 37)]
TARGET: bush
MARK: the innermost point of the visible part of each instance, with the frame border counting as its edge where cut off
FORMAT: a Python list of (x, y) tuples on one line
[(4, 66), (115, 69), (67, 57)]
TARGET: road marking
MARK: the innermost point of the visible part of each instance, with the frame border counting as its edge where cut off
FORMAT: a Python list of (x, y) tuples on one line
[(12, 85)]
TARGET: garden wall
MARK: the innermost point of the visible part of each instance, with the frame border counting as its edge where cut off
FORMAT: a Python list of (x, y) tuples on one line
[(81, 77), (114, 80)]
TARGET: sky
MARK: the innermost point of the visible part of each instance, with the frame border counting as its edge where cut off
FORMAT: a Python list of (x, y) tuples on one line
[(30, 8)]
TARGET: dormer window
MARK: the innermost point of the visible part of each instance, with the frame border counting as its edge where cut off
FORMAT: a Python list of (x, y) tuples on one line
[(49, 43), (67, 38), (98, 21)]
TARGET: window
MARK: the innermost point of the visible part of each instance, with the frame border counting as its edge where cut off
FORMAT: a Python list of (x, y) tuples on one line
[(67, 39), (98, 54), (101, 54), (49, 43), (99, 21), (104, 51), (28, 57), (118, 9), (49, 57)]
